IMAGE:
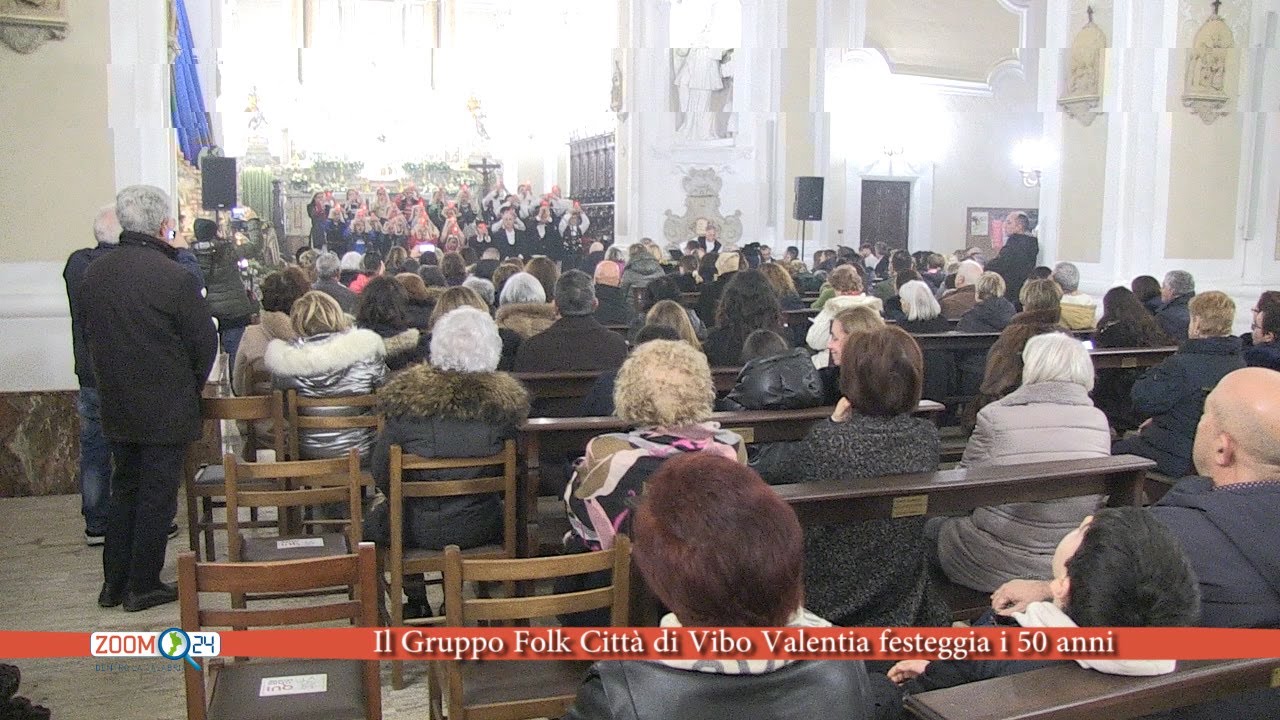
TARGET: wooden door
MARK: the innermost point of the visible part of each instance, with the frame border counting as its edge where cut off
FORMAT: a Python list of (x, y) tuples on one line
[(886, 212)]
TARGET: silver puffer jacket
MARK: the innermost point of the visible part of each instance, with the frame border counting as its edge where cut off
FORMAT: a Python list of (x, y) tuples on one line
[(330, 365)]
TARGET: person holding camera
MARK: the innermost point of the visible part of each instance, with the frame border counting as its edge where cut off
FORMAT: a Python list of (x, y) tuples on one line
[(228, 299)]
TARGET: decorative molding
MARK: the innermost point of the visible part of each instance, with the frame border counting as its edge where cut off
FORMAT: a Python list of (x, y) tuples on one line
[(1082, 89), (702, 204), (1235, 13), (1205, 86), (25, 25)]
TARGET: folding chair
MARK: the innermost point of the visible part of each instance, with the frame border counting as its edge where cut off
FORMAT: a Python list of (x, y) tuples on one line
[(517, 689), (351, 688), (205, 486), (401, 560)]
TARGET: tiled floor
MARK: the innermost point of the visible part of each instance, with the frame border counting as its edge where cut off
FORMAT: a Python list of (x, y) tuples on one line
[(49, 580)]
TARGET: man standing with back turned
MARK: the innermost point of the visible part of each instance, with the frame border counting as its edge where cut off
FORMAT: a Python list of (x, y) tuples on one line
[(152, 343)]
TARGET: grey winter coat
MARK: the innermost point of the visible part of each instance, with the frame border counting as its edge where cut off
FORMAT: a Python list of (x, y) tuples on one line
[(1035, 423), (437, 413), (639, 273), (330, 365)]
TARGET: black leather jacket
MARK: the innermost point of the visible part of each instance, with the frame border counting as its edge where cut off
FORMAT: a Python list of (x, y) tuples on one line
[(780, 382), (807, 690)]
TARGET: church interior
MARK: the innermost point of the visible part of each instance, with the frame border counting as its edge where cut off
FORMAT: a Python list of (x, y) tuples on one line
[(1126, 138)]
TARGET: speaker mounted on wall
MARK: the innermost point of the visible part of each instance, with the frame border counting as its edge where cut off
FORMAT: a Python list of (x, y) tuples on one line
[(218, 183), (808, 198)]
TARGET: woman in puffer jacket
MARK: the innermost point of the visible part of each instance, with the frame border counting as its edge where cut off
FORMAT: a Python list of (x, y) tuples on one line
[(1050, 417), (329, 360)]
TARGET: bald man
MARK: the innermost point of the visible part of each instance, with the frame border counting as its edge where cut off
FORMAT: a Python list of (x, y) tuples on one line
[(1227, 519)]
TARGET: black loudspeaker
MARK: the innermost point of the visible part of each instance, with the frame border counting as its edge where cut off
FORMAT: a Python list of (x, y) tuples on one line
[(808, 198), (218, 178)]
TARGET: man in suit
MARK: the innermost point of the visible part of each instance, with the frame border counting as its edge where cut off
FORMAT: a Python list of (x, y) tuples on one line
[(152, 343)]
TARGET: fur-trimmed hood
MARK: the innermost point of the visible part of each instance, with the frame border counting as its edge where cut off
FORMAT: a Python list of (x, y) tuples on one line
[(424, 391), (322, 354), (526, 319)]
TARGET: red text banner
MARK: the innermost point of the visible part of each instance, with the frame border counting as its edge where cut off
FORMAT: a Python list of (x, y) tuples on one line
[(555, 643)]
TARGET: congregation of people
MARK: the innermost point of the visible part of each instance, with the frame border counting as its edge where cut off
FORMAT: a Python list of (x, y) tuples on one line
[(437, 306)]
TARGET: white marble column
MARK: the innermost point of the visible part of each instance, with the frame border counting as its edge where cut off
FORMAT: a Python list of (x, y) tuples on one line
[(138, 94)]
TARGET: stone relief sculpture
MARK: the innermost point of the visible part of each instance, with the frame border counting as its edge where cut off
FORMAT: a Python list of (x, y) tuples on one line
[(702, 204), (1205, 87), (25, 25), (1085, 71)]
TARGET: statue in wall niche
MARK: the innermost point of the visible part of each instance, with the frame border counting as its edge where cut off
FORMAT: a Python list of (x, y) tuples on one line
[(1205, 84), (699, 75)]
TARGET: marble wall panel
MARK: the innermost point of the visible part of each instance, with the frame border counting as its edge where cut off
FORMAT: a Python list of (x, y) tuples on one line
[(39, 443)]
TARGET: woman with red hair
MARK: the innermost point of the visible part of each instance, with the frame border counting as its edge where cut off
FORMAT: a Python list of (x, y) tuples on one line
[(721, 549)]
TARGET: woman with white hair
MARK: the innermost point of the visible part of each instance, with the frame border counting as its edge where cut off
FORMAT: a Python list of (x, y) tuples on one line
[(523, 306), (1050, 417), (455, 406), (924, 314)]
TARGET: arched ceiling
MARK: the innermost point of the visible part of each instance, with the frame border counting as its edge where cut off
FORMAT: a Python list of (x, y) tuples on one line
[(953, 39)]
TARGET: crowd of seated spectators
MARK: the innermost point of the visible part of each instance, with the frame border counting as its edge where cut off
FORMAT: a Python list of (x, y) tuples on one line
[(436, 338)]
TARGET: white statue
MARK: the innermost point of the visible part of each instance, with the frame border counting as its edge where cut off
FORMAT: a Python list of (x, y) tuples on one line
[(699, 74)]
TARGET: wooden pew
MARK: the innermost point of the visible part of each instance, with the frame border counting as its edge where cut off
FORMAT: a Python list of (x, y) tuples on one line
[(577, 383), (958, 491), (1110, 358), (567, 437), (1070, 692), (944, 492)]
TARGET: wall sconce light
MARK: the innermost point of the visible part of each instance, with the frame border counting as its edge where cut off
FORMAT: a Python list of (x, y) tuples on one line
[(1031, 157)]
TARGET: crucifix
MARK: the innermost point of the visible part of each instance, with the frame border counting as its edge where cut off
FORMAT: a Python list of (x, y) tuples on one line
[(485, 167), (1089, 11), (1217, 4)]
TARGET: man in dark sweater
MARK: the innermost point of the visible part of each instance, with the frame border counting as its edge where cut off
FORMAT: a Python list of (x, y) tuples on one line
[(152, 342), (576, 341), (1017, 257)]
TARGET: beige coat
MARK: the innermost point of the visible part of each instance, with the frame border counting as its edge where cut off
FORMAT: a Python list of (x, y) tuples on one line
[(820, 330), (253, 345), (1035, 423)]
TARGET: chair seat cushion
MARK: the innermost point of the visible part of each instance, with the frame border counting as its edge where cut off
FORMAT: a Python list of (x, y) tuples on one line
[(293, 547), (492, 682), (211, 475), (238, 690)]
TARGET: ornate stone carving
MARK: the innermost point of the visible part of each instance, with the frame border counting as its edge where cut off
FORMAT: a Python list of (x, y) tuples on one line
[(25, 25), (702, 202), (1205, 90), (1082, 91)]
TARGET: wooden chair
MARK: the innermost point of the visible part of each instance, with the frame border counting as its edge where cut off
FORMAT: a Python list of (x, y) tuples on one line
[(401, 560), (353, 688), (512, 690), (205, 487), (346, 413), (294, 484)]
